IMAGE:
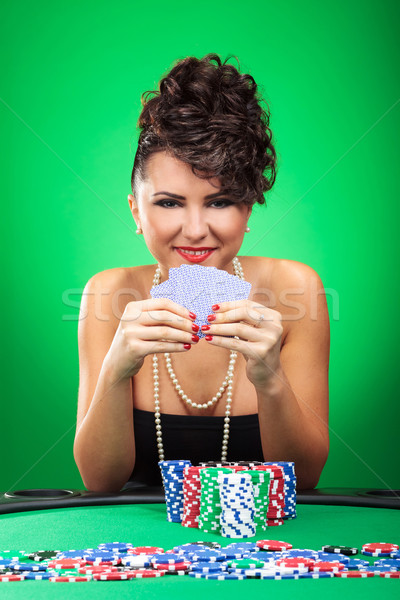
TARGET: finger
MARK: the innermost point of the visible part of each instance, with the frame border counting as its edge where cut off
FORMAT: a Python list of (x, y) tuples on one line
[(244, 313), (166, 317), (134, 310), (242, 330), (164, 333), (249, 350), (160, 347)]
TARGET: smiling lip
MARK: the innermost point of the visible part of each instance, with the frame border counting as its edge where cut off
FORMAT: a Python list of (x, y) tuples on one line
[(194, 258), (194, 249)]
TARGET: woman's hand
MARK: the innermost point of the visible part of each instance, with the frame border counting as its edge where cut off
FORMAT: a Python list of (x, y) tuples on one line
[(259, 331), (155, 325)]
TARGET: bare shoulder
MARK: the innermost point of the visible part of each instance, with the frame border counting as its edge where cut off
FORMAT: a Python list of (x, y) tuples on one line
[(292, 288), (112, 289)]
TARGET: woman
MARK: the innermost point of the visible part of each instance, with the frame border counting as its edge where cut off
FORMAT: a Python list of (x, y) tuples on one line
[(204, 157)]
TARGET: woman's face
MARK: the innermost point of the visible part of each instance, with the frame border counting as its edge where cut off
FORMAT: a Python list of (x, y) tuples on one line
[(192, 221)]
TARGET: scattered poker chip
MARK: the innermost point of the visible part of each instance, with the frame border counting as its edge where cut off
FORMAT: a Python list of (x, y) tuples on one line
[(145, 550), (66, 563), (43, 555), (90, 569), (273, 545), (319, 566), (170, 559), (357, 563), (27, 567), (113, 576), (329, 556), (280, 576), (183, 566), (208, 567), (347, 550), (207, 556), (117, 546), (39, 576), (246, 564), (388, 562), (379, 549), (355, 574), (316, 575), (5, 578), (217, 576), (146, 573), (390, 575), (68, 579)]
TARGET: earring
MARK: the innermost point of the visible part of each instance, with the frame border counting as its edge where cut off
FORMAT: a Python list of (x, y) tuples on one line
[(247, 229), (138, 230)]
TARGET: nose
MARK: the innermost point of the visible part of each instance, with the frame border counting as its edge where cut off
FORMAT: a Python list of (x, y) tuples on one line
[(195, 225)]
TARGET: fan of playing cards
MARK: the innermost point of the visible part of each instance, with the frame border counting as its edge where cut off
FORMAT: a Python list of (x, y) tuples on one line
[(197, 288)]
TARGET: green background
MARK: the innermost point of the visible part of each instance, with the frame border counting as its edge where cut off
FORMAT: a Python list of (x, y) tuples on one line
[(72, 76)]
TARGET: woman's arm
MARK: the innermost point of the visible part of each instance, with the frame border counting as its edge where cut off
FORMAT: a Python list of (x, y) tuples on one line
[(293, 405), (104, 448)]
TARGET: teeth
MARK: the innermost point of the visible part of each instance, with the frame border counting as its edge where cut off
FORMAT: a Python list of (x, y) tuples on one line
[(196, 253)]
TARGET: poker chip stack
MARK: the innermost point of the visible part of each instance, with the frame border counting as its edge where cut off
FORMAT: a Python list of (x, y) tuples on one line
[(210, 505), (260, 481), (191, 496), (237, 504), (276, 494), (172, 476), (290, 488)]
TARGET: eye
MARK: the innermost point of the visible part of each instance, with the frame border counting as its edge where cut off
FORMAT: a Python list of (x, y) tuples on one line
[(225, 202), (163, 202)]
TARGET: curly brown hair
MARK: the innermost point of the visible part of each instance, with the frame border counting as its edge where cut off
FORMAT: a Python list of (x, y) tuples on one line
[(210, 117)]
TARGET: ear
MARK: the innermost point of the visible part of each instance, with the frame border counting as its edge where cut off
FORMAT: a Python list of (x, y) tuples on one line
[(134, 208), (249, 210)]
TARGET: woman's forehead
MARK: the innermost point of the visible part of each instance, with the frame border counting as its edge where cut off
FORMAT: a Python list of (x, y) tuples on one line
[(166, 172)]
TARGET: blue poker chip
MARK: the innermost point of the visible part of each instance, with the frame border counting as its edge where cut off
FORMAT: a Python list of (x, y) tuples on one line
[(207, 556), (41, 575), (167, 558), (208, 567), (388, 562), (115, 546), (73, 553), (357, 563), (315, 575), (217, 576), (379, 569), (279, 576), (27, 567), (245, 546), (299, 553), (335, 556)]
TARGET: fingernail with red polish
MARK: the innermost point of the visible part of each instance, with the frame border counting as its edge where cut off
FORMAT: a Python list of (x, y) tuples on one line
[(195, 338), (205, 327), (211, 318), (195, 327), (187, 346), (215, 307), (192, 315), (208, 338)]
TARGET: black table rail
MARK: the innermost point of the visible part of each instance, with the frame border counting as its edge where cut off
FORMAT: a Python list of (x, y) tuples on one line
[(42, 499)]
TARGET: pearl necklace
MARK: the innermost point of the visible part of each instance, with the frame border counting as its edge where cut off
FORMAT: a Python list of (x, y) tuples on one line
[(228, 382)]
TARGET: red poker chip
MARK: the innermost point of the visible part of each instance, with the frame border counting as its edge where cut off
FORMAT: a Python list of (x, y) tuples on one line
[(184, 566), (390, 575), (273, 522), (146, 550), (67, 579), (5, 578), (380, 547), (323, 566), (90, 569), (354, 574), (67, 563), (145, 573), (295, 561), (112, 576)]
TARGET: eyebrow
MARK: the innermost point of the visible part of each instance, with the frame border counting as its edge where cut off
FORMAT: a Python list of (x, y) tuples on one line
[(183, 197)]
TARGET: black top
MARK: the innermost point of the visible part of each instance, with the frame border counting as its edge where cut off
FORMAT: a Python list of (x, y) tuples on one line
[(195, 438)]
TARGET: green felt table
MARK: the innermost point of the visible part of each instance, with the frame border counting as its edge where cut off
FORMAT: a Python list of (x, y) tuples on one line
[(146, 524)]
